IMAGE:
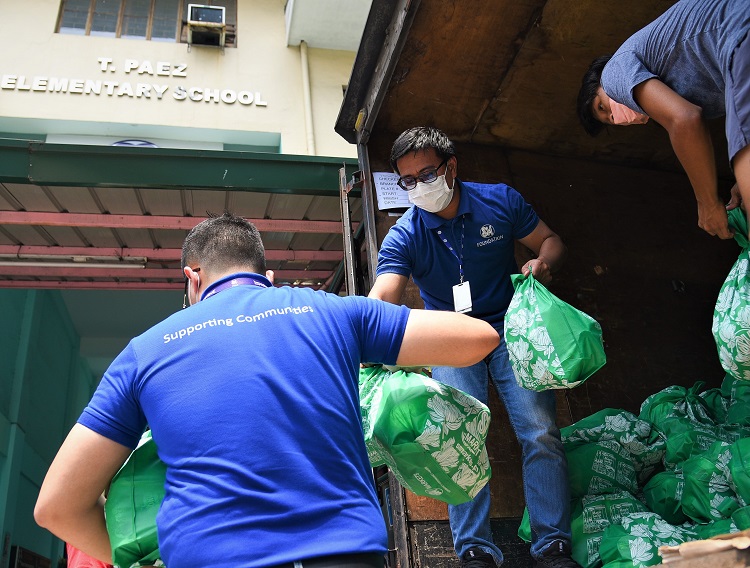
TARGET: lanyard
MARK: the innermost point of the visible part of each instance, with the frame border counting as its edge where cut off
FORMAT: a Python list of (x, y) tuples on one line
[(459, 257), (239, 281)]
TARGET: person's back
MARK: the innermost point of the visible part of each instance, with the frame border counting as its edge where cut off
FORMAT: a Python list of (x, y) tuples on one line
[(691, 31), (249, 395)]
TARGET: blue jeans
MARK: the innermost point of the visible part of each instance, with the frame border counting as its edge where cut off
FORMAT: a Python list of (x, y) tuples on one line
[(545, 468)]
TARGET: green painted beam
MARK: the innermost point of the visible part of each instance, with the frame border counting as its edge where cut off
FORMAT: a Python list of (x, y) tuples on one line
[(25, 161), (14, 161)]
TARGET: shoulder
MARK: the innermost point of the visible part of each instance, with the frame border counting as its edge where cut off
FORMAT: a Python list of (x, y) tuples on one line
[(497, 194), (359, 308), (476, 189), (623, 64)]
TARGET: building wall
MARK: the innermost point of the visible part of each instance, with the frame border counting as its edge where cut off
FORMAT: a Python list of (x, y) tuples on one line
[(44, 384), (329, 75), (140, 83)]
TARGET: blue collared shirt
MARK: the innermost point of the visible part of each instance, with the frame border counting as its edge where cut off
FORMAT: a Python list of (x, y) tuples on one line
[(493, 216)]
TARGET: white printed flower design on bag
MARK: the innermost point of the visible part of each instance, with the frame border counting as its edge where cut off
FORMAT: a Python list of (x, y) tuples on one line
[(731, 320), (445, 413)]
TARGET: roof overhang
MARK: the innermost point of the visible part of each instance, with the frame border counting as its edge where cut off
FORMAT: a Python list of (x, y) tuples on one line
[(61, 225), (41, 163)]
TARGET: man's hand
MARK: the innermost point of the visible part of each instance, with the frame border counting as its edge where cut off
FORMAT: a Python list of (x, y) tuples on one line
[(539, 269), (393, 368), (735, 199), (421, 369), (712, 218)]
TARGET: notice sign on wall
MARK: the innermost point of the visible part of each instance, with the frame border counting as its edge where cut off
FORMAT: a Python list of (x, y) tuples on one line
[(145, 80), (390, 195)]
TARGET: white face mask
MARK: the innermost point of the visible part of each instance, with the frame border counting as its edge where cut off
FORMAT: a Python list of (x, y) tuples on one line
[(432, 197)]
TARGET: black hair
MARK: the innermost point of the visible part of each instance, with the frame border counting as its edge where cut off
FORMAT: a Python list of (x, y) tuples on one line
[(421, 138), (224, 242), (589, 87)]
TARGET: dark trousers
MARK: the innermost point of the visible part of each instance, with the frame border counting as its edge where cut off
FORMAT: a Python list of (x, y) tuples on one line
[(339, 561)]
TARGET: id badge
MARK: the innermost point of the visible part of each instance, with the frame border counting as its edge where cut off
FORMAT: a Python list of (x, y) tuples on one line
[(462, 297)]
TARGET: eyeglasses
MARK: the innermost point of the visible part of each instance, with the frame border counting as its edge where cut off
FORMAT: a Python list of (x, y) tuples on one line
[(428, 176), (187, 282)]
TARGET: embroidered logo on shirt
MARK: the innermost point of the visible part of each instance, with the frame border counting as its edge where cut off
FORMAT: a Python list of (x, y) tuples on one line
[(487, 232)]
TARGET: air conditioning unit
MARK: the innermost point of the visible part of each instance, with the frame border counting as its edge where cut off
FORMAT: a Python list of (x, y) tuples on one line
[(206, 25)]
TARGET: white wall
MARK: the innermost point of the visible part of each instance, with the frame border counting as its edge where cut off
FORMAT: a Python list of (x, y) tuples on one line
[(261, 64)]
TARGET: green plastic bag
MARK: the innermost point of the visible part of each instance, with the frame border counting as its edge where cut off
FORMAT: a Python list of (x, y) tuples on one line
[(597, 512), (636, 540), (717, 404), (600, 467), (644, 443), (738, 413), (551, 344), (686, 439), (589, 516), (710, 530), (133, 501), (676, 402), (731, 321), (707, 495), (736, 390), (431, 436), (663, 495), (739, 470)]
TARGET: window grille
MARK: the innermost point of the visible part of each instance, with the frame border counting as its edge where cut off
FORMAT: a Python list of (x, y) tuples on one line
[(154, 20)]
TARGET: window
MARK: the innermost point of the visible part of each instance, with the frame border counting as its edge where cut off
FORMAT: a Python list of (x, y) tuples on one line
[(230, 14), (154, 20)]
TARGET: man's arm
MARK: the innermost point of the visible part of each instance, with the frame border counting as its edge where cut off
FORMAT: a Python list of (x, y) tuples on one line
[(549, 249), (389, 287), (70, 503), (691, 142), (435, 338)]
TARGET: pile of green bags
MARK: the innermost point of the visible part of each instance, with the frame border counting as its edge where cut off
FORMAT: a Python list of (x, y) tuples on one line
[(678, 471), (551, 344), (431, 436)]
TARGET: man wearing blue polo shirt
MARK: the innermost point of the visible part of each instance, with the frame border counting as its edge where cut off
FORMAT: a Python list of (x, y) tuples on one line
[(457, 243), (252, 397)]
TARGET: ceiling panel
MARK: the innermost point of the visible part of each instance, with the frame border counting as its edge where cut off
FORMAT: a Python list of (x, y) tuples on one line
[(115, 200), (117, 224), (30, 197), (74, 199)]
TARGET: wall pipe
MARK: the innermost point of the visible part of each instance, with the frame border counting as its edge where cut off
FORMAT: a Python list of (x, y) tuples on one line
[(307, 98)]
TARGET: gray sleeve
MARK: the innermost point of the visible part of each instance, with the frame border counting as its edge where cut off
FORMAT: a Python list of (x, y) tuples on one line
[(621, 75)]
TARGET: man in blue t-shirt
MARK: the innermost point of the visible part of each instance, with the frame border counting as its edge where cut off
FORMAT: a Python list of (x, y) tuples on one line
[(689, 65), (457, 242), (252, 398)]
